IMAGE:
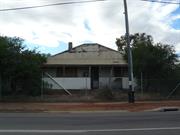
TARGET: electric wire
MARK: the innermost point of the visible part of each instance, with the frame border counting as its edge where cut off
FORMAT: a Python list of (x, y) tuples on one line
[(165, 2), (48, 5), (77, 2)]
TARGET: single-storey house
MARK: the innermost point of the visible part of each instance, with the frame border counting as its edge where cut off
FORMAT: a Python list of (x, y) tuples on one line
[(88, 66)]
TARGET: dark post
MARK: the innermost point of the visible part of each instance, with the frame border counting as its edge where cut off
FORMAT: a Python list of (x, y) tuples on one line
[(42, 85), (0, 87), (130, 65)]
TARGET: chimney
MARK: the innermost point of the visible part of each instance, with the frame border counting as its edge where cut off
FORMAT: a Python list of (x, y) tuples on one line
[(70, 46)]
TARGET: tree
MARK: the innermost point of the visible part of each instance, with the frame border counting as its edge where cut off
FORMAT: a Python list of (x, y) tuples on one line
[(20, 68), (155, 61)]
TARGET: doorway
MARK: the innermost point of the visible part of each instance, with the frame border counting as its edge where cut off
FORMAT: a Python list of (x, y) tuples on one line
[(94, 77)]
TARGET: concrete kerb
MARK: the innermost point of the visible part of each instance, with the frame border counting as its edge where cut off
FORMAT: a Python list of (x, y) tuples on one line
[(163, 109)]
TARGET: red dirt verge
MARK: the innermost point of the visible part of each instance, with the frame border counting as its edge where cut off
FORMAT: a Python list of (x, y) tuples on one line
[(111, 106)]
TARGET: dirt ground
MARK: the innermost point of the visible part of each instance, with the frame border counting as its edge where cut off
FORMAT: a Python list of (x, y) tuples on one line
[(110, 106)]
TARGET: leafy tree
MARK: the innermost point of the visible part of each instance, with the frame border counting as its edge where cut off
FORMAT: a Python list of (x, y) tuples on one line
[(155, 61), (20, 68)]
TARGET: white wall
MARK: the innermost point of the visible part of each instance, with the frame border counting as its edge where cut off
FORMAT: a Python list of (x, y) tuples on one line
[(125, 84), (85, 83), (71, 83)]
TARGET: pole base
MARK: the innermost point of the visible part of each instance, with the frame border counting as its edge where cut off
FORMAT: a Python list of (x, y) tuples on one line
[(131, 98)]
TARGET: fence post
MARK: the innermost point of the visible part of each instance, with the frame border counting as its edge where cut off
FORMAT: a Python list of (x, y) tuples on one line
[(141, 84), (0, 87), (42, 86)]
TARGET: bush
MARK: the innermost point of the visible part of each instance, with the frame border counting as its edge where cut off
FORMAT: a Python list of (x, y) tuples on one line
[(20, 68)]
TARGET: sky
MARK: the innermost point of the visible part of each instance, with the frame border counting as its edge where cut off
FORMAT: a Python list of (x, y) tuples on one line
[(49, 29)]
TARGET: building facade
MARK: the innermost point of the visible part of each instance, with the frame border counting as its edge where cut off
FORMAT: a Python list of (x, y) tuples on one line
[(88, 66)]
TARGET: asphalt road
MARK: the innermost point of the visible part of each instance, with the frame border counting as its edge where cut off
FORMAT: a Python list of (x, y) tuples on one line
[(101, 123)]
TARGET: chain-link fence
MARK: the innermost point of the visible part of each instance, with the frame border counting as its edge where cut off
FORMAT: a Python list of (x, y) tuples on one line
[(164, 88)]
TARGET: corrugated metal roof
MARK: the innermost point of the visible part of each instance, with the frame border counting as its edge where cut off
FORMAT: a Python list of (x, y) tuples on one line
[(87, 54)]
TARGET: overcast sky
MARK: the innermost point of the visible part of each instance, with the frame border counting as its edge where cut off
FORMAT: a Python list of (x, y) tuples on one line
[(51, 28)]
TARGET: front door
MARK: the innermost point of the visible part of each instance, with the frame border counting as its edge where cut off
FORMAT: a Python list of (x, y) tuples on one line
[(94, 77)]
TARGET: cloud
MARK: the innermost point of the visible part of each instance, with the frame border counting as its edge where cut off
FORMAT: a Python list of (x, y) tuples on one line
[(100, 22)]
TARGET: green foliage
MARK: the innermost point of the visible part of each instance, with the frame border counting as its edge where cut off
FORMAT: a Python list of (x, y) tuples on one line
[(20, 68), (156, 62)]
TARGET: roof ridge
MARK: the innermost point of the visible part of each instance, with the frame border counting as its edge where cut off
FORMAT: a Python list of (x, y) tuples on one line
[(87, 44)]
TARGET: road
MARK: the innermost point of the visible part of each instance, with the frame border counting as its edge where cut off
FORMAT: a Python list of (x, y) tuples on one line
[(99, 123)]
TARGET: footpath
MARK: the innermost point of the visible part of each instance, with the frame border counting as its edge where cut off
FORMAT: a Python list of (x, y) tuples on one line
[(78, 107)]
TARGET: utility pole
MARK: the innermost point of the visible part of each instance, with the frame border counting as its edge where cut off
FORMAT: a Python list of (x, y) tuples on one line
[(131, 98)]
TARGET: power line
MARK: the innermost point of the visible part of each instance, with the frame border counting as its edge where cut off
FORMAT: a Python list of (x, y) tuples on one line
[(165, 2), (49, 5)]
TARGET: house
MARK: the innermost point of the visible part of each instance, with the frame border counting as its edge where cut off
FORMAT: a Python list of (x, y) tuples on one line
[(88, 66)]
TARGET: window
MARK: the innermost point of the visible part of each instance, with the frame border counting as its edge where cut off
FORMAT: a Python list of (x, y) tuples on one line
[(59, 72), (70, 72), (105, 71), (120, 72), (83, 72)]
